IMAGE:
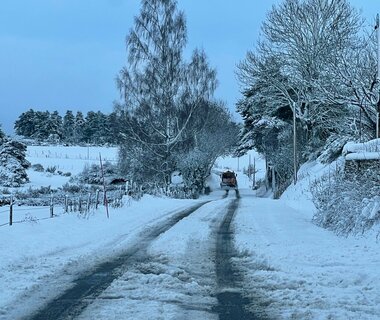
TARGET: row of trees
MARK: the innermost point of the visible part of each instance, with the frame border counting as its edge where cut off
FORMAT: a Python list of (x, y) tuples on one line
[(95, 127), (313, 69), (171, 119)]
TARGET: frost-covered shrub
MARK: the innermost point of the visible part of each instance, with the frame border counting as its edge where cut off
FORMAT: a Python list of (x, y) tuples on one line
[(347, 205), (36, 192), (51, 169), (38, 167), (35, 196), (64, 174), (5, 191), (29, 218), (195, 167), (93, 174), (72, 188)]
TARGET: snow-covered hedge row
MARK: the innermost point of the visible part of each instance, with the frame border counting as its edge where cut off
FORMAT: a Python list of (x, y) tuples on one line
[(347, 206)]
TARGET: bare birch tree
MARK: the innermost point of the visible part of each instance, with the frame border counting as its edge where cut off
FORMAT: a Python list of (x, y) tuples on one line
[(302, 45), (163, 97)]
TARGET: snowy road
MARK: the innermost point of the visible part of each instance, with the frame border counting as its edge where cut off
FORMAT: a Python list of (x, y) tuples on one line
[(230, 257), (178, 268), (90, 285)]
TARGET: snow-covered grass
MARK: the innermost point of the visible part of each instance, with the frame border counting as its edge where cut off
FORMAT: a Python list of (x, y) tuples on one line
[(292, 268), (70, 160)]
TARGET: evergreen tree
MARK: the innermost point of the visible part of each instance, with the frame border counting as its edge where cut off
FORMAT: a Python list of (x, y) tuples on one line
[(13, 164), (42, 125), (79, 128), (102, 135), (25, 124), (2, 136), (55, 126), (91, 127), (68, 127), (113, 128)]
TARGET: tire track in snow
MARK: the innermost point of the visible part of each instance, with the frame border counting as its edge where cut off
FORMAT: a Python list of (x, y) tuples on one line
[(232, 305), (89, 286)]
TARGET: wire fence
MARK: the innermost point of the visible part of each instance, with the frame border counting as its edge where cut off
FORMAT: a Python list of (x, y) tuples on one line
[(84, 204), (21, 208)]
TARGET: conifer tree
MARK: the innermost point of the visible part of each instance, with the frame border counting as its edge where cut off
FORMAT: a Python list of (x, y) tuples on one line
[(13, 164), (68, 129)]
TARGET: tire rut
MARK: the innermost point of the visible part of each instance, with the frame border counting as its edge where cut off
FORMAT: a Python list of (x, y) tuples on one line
[(232, 305), (89, 286)]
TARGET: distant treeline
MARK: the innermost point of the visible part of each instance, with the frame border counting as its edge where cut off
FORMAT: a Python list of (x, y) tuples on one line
[(95, 127)]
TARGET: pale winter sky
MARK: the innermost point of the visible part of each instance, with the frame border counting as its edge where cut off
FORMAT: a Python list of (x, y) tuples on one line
[(65, 54)]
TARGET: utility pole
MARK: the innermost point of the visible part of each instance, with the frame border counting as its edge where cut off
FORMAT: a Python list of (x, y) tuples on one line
[(378, 73)]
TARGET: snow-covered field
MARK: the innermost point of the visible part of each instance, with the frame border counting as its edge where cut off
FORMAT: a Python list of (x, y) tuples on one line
[(291, 267), (70, 159), (65, 159)]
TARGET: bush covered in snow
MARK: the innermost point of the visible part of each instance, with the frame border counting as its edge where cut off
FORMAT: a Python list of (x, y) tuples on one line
[(93, 174), (347, 206), (51, 169), (38, 167), (13, 163), (195, 167)]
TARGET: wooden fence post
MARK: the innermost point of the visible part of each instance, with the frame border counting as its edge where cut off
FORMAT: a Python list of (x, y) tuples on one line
[(97, 199), (254, 174), (104, 185), (126, 187), (51, 206), (88, 202), (11, 211)]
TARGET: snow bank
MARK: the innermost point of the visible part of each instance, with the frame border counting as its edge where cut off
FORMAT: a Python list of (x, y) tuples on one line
[(363, 156), (362, 151), (299, 270)]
